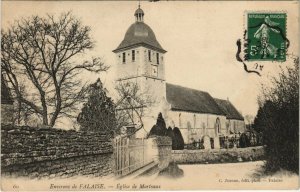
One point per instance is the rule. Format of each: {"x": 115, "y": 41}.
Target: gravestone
{"x": 216, "y": 143}
{"x": 206, "y": 142}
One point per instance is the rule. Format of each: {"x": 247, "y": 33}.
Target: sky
{"x": 199, "y": 36}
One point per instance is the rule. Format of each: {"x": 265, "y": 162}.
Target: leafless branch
{"x": 44, "y": 52}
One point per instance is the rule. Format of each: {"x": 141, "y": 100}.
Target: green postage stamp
{"x": 266, "y": 34}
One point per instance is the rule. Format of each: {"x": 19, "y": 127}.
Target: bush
{"x": 278, "y": 119}
{"x": 159, "y": 129}
{"x": 281, "y": 138}
{"x": 178, "y": 139}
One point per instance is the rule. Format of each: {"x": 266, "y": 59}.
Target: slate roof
{"x": 138, "y": 34}
{"x": 230, "y": 111}
{"x": 192, "y": 100}
{"x": 6, "y": 97}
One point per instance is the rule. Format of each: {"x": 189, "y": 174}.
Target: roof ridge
{"x": 231, "y": 112}
{"x": 222, "y": 100}
{"x": 189, "y": 88}
{"x": 190, "y": 99}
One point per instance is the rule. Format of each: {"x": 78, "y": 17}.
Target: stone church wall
{"x": 198, "y": 124}
{"x": 129, "y": 68}
{"x": 155, "y": 88}
{"x": 236, "y": 126}
{"x": 147, "y": 66}
{"x": 50, "y": 152}
{"x": 141, "y": 65}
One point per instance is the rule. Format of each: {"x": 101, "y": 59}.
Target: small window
{"x": 133, "y": 55}
{"x": 124, "y": 57}
{"x": 149, "y": 55}
{"x": 157, "y": 58}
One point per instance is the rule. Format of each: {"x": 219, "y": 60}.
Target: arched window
{"x": 194, "y": 118}
{"x": 179, "y": 120}
{"x": 227, "y": 127}
{"x": 217, "y": 126}
{"x": 190, "y": 131}
{"x": 234, "y": 127}
{"x": 188, "y": 125}
{"x": 203, "y": 128}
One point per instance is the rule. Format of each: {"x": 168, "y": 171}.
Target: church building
{"x": 141, "y": 59}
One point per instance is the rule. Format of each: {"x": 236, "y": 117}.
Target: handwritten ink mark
{"x": 238, "y": 58}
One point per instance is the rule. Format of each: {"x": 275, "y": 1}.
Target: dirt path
{"x": 227, "y": 176}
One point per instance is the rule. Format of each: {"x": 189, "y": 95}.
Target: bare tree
{"x": 41, "y": 58}
{"x": 132, "y": 105}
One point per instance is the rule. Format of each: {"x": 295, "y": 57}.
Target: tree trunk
{"x": 45, "y": 119}
{"x": 45, "y": 110}
{"x": 19, "y": 112}
{"x": 58, "y": 103}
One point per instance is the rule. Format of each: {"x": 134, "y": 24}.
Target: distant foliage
{"x": 244, "y": 141}
{"x": 98, "y": 113}
{"x": 278, "y": 119}
{"x": 259, "y": 122}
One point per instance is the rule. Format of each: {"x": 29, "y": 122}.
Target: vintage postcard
{"x": 149, "y": 95}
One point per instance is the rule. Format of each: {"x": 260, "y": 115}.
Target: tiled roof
{"x": 230, "y": 111}
{"x": 187, "y": 99}
{"x": 137, "y": 34}
{"x": 5, "y": 93}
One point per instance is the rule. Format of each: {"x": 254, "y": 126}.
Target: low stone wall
{"x": 50, "y": 152}
{"x": 218, "y": 155}
{"x": 7, "y": 113}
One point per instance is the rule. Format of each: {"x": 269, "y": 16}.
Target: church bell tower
{"x": 140, "y": 58}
